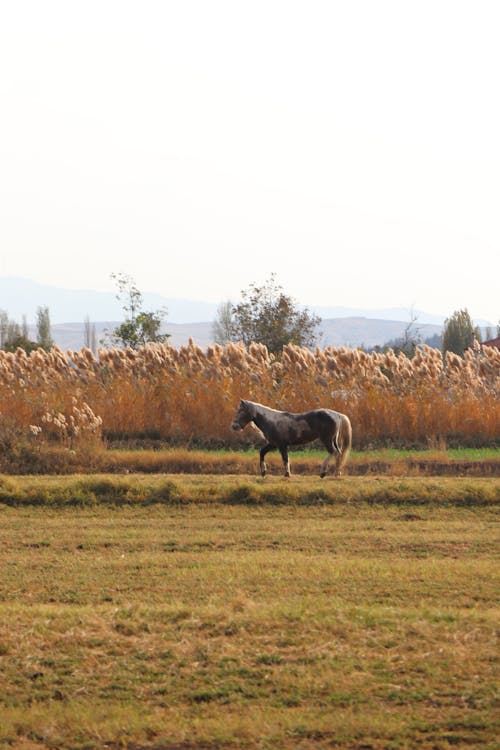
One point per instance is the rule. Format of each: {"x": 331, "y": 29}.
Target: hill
{"x": 354, "y": 331}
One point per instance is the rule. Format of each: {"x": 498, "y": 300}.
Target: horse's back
{"x": 322, "y": 422}
{"x": 326, "y": 415}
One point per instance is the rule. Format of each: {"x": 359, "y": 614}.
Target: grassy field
{"x": 194, "y": 489}
{"x": 454, "y": 462}
{"x": 195, "y": 613}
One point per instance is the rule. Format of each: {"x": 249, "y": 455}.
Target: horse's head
{"x": 243, "y": 416}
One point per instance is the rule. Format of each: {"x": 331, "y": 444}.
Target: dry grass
{"x": 217, "y": 626}
{"x": 187, "y": 395}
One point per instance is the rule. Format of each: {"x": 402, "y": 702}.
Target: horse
{"x": 281, "y": 429}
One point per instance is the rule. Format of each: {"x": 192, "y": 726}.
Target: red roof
{"x": 492, "y": 342}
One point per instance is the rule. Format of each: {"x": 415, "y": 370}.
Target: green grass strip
{"x": 81, "y": 491}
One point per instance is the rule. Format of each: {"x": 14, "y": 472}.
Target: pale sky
{"x": 353, "y": 148}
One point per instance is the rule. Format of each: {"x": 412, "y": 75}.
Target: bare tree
{"x": 411, "y": 335}
{"x": 90, "y": 338}
{"x": 13, "y": 335}
{"x": 4, "y": 326}
{"x": 222, "y": 325}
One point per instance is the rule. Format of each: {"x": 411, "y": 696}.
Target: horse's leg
{"x": 286, "y": 461}
{"x": 331, "y": 444}
{"x": 338, "y": 457}
{"x": 263, "y": 468}
{"x": 335, "y": 443}
{"x": 339, "y": 449}
{"x": 324, "y": 465}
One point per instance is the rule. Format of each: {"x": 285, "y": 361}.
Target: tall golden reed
{"x": 187, "y": 394}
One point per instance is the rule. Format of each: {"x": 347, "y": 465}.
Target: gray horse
{"x": 281, "y": 429}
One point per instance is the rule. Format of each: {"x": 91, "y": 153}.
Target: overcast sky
{"x": 353, "y": 148}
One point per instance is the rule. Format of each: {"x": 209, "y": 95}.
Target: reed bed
{"x": 187, "y": 395}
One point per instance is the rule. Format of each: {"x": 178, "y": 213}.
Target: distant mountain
{"x": 404, "y": 314}
{"x": 72, "y": 336}
{"x": 341, "y": 326}
{"x": 22, "y": 297}
{"x": 19, "y": 296}
{"x": 369, "y": 332}
{"x": 349, "y": 332}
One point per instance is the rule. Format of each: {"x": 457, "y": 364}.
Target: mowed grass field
{"x": 191, "y": 613}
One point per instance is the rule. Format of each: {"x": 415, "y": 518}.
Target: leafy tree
{"x": 458, "y": 332}
{"x": 269, "y": 316}
{"x": 139, "y": 327}
{"x": 43, "y": 332}
{"x": 19, "y": 341}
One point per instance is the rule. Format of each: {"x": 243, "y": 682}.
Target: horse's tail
{"x": 344, "y": 438}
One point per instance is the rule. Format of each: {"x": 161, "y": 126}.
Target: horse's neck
{"x": 261, "y": 417}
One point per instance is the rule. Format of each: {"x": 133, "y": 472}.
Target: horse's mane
{"x": 266, "y": 408}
